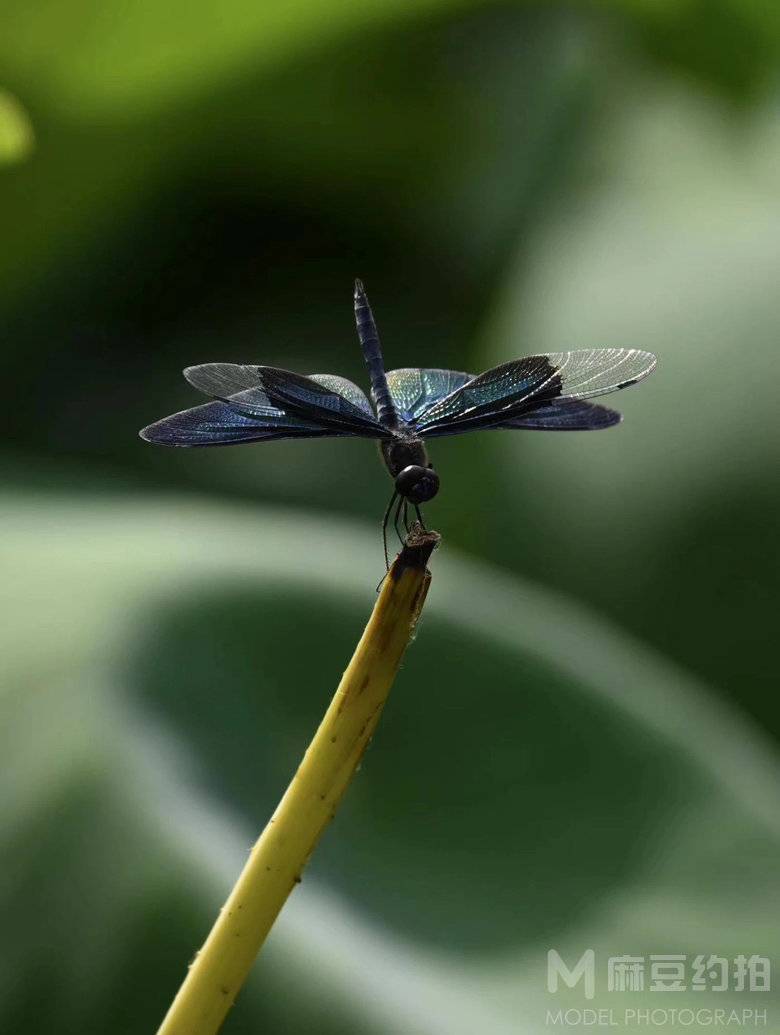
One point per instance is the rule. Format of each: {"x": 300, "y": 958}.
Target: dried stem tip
{"x": 277, "y": 860}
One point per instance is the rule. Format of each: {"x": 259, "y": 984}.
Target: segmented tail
{"x": 372, "y": 351}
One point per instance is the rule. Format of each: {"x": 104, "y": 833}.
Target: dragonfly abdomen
{"x": 372, "y": 351}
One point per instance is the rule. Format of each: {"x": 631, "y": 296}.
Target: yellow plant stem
{"x": 275, "y": 864}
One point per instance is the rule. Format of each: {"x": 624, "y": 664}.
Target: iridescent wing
{"x": 221, "y": 424}
{"x": 267, "y": 391}
{"x": 515, "y": 389}
{"x": 347, "y": 389}
{"x": 317, "y": 398}
{"x": 565, "y": 415}
{"x": 482, "y": 400}
{"x": 415, "y": 389}
{"x": 244, "y": 410}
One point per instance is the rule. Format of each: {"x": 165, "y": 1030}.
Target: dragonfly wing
{"x": 220, "y": 424}
{"x": 347, "y": 390}
{"x": 487, "y": 395}
{"x": 235, "y": 384}
{"x": 586, "y": 373}
{"x": 518, "y": 387}
{"x": 325, "y": 399}
{"x": 311, "y": 398}
{"x": 222, "y": 379}
{"x": 565, "y": 415}
{"x": 416, "y": 389}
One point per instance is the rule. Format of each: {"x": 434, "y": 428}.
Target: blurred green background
{"x": 581, "y": 750}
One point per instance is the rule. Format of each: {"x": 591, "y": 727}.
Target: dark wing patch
{"x": 314, "y": 400}
{"x": 488, "y": 394}
{"x": 323, "y": 398}
{"x": 415, "y": 389}
{"x": 565, "y": 415}
{"x": 220, "y": 424}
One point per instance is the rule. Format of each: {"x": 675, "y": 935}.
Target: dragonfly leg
{"x": 397, "y": 518}
{"x": 420, "y": 517}
{"x": 384, "y": 529}
{"x": 406, "y": 516}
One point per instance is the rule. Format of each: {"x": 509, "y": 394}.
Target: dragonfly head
{"x": 417, "y": 484}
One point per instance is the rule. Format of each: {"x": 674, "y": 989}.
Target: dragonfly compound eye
{"x": 417, "y": 484}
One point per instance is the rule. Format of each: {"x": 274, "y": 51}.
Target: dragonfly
{"x": 407, "y": 407}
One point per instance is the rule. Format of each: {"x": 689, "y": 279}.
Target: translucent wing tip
{"x": 202, "y": 375}
{"x": 649, "y": 359}
{"x": 191, "y": 375}
{"x": 166, "y": 432}
{"x": 192, "y": 372}
{"x": 159, "y": 433}
{"x": 585, "y": 373}
{"x": 643, "y": 362}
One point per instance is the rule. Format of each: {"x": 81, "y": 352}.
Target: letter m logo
{"x": 584, "y": 968}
